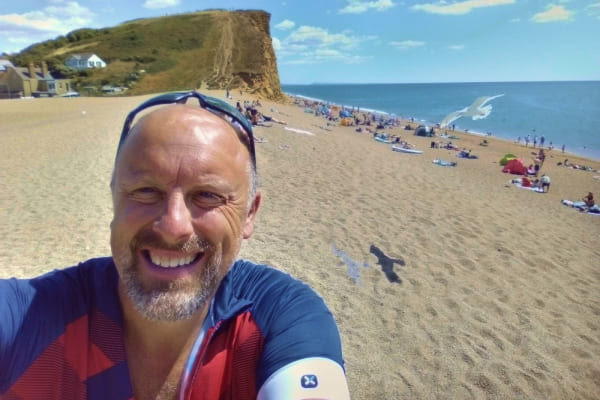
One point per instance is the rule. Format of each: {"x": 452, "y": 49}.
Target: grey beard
{"x": 172, "y": 302}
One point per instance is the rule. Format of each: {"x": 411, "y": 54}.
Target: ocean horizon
{"x": 564, "y": 112}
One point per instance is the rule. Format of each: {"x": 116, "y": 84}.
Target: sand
{"x": 447, "y": 283}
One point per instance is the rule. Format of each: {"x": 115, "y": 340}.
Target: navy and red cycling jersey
{"x": 61, "y": 334}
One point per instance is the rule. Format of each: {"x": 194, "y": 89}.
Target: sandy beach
{"x": 446, "y": 282}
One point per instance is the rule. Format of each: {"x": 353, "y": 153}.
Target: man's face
{"x": 181, "y": 210}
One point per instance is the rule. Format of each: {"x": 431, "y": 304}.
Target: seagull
{"x": 477, "y": 110}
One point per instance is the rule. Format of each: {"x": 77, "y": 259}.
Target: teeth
{"x": 170, "y": 262}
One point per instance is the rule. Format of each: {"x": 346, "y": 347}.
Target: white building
{"x": 84, "y": 61}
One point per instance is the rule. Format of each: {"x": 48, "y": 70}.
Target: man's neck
{"x": 157, "y": 351}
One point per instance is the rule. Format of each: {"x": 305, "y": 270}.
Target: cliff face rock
{"x": 217, "y": 49}
{"x": 234, "y": 51}
{"x": 245, "y": 57}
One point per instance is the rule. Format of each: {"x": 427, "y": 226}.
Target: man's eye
{"x": 144, "y": 194}
{"x": 208, "y": 199}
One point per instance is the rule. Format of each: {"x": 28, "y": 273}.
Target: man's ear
{"x": 249, "y": 222}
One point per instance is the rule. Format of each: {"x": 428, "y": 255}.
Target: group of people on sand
{"x": 250, "y": 111}
{"x": 349, "y": 116}
{"x": 394, "y": 139}
{"x": 542, "y": 183}
{"x": 568, "y": 164}
{"x": 443, "y": 145}
{"x": 534, "y": 168}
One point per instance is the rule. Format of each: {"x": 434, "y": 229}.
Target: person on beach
{"x": 541, "y": 156}
{"x": 545, "y": 183}
{"x": 589, "y": 199}
{"x": 172, "y": 314}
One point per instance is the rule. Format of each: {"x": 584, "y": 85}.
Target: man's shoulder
{"x": 84, "y": 269}
{"x": 72, "y": 284}
{"x": 90, "y": 272}
{"x": 269, "y": 291}
{"x": 246, "y": 276}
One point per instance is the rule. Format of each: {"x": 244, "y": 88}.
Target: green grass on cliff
{"x": 168, "y": 53}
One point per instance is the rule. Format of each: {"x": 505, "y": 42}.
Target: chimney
{"x": 32, "y": 71}
{"x": 44, "y": 69}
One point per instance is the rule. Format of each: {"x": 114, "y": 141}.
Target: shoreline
{"x": 593, "y": 154}
{"x": 474, "y": 134}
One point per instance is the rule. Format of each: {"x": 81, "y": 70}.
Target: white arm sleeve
{"x": 315, "y": 378}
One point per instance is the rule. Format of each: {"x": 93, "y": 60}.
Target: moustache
{"x": 149, "y": 238}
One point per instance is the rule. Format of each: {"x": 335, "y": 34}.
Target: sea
{"x": 564, "y": 113}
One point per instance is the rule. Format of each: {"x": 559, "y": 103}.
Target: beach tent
{"x": 507, "y": 158}
{"x": 423, "y": 131}
{"x": 515, "y": 166}
{"x": 345, "y": 114}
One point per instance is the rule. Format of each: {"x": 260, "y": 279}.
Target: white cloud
{"x": 154, "y": 4}
{"x": 310, "y": 45}
{"x": 594, "y": 9}
{"x": 513, "y": 20}
{"x": 328, "y": 53}
{"x": 407, "y": 44}
{"x": 285, "y": 25}
{"x": 276, "y": 43}
{"x": 553, "y": 13}
{"x": 459, "y": 8}
{"x": 56, "y": 19}
{"x": 359, "y": 7}
{"x": 311, "y": 35}
{"x": 457, "y": 47}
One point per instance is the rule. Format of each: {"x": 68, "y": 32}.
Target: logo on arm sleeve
{"x": 309, "y": 381}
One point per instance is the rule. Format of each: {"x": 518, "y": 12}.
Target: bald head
{"x": 177, "y": 127}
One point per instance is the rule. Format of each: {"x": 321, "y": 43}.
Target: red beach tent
{"x": 515, "y": 166}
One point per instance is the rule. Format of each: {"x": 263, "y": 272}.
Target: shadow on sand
{"x": 387, "y": 264}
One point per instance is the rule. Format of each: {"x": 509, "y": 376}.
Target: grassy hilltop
{"x": 220, "y": 49}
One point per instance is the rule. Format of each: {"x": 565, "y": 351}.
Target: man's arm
{"x": 309, "y": 378}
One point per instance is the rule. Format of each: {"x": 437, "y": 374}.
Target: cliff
{"x": 217, "y": 49}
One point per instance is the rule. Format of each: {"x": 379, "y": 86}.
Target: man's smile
{"x": 171, "y": 259}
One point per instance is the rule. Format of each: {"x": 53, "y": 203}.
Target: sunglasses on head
{"x": 212, "y": 104}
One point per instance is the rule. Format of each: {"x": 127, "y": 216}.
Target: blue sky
{"x": 353, "y": 41}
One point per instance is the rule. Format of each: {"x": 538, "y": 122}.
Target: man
{"x": 545, "y": 183}
{"x": 172, "y": 314}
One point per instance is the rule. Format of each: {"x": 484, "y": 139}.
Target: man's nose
{"x": 175, "y": 222}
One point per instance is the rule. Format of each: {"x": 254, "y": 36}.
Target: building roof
{"x": 4, "y": 64}
{"x": 24, "y": 73}
{"x": 84, "y": 56}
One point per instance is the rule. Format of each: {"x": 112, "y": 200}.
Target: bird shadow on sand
{"x": 387, "y": 264}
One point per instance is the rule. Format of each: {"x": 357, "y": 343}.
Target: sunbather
{"x": 589, "y": 200}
